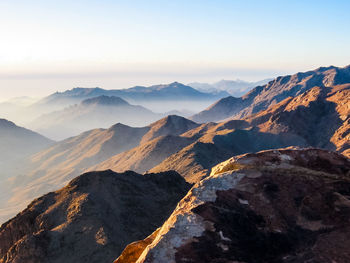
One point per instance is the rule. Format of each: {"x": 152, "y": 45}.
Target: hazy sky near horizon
{"x": 57, "y": 45}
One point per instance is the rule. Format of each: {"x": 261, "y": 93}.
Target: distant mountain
{"x": 170, "y": 92}
{"x": 236, "y": 88}
{"x": 53, "y": 167}
{"x": 101, "y": 111}
{"x": 261, "y": 97}
{"x": 92, "y": 219}
{"x": 286, "y": 205}
{"x": 17, "y": 143}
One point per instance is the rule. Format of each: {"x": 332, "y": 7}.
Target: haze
{"x": 56, "y": 45}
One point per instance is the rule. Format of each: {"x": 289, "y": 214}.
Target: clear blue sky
{"x": 56, "y": 45}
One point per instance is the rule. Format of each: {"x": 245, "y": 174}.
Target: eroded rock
{"x": 288, "y": 205}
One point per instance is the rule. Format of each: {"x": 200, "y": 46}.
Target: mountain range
{"x": 318, "y": 117}
{"x": 102, "y": 111}
{"x": 285, "y": 205}
{"x": 269, "y": 171}
{"x": 236, "y": 88}
{"x": 261, "y": 97}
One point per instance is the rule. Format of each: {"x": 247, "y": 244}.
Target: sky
{"x": 48, "y": 46}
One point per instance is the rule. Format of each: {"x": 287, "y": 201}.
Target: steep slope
{"x": 321, "y": 116}
{"x": 284, "y": 205}
{"x": 17, "y": 143}
{"x": 91, "y": 219}
{"x": 102, "y": 111}
{"x": 144, "y": 157}
{"x": 161, "y": 141}
{"x": 261, "y": 97}
{"x": 172, "y": 124}
{"x": 55, "y": 166}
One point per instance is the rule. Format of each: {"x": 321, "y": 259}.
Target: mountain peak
{"x": 171, "y": 124}
{"x": 6, "y": 124}
{"x": 94, "y": 217}
{"x": 173, "y": 120}
{"x": 105, "y": 101}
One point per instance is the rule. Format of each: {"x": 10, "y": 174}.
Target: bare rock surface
{"x": 92, "y": 219}
{"x": 286, "y": 205}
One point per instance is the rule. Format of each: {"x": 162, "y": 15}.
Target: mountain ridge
{"x": 261, "y": 97}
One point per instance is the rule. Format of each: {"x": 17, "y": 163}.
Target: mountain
{"x": 91, "y": 219}
{"x": 261, "y": 97}
{"x": 287, "y": 205}
{"x": 162, "y": 140}
{"x": 17, "y": 143}
{"x": 53, "y": 167}
{"x": 144, "y": 157}
{"x": 101, "y": 111}
{"x": 169, "y": 92}
{"x": 236, "y": 88}
{"x": 319, "y": 117}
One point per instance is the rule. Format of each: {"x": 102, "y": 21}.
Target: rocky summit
{"x": 92, "y": 219}
{"x": 287, "y": 205}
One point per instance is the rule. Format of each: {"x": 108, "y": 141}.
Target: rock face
{"x": 320, "y": 117}
{"x": 287, "y": 205}
{"x": 262, "y": 97}
{"x": 92, "y": 219}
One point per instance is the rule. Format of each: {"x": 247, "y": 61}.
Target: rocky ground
{"x": 288, "y": 205}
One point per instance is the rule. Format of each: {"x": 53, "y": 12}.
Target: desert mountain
{"x": 55, "y": 166}
{"x": 318, "y": 117}
{"x": 92, "y": 219}
{"x": 236, "y": 88}
{"x": 162, "y": 140}
{"x": 285, "y": 205}
{"x": 17, "y": 143}
{"x": 261, "y": 97}
{"x": 145, "y": 156}
{"x": 101, "y": 111}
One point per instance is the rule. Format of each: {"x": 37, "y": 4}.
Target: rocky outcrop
{"x": 287, "y": 205}
{"x": 92, "y": 219}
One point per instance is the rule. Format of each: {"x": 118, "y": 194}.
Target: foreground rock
{"x": 284, "y": 205}
{"x": 92, "y": 219}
